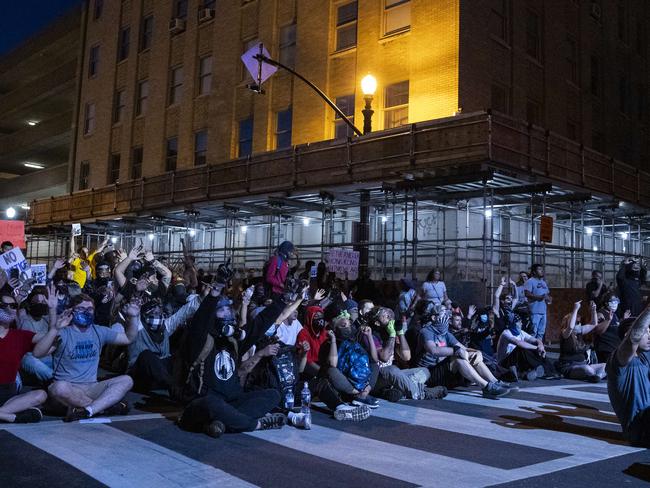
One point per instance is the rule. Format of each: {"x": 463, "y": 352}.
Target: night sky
{"x": 20, "y": 19}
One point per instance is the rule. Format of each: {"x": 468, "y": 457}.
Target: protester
{"x": 537, "y": 293}
{"x": 596, "y": 290}
{"x": 574, "y": 355}
{"x": 631, "y": 275}
{"x": 36, "y": 318}
{"x": 607, "y": 337}
{"x": 434, "y": 289}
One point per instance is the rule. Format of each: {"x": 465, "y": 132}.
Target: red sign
{"x": 13, "y": 231}
{"x": 546, "y": 228}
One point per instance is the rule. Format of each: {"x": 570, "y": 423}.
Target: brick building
{"x": 163, "y": 87}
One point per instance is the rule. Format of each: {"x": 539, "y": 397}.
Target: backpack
{"x": 354, "y": 363}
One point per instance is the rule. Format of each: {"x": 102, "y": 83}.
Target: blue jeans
{"x": 36, "y": 369}
{"x": 538, "y": 321}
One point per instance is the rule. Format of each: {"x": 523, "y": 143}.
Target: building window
{"x": 180, "y": 9}
{"x": 341, "y": 129}
{"x": 146, "y": 32}
{"x": 346, "y": 26}
{"x": 123, "y": 44}
{"x": 572, "y": 60}
{"x": 205, "y": 75}
{"x": 397, "y": 16}
{"x": 499, "y": 98}
{"x": 283, "y": 128}
{"x": 136, "y": 163}
{"x": 98, "y": 9}
{"x": 595, "y": 75}
{"x": 622, "y": 93}
{"x": 171, "y": 155}
{"x": 84, "y": 175}
{"x": 89, "y": 119}
{"x": 622, "y": 21}
{"x": 114, "y": 169}
{"x": 288, "y": 45}
{"x": 200, "y": 147}
{"x": 533, "y": 35}
{"x": 533, "y": 112}
{"x": 245, "y": 137}
{"x": 142, "y": 97}
{"x": 93, "y": 61}
{"x": 119, "y": 105}
{"x": 209, "y": 4}
{"x": 396, "y": 105}
{"x": 500, "y": 19}
{"x": 175, "y": 85}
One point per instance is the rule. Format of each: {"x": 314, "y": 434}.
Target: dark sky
{"x": 22, "y": 18}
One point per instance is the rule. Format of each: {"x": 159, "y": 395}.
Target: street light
{"x": 368, "y": 87}
{"x": 11, "y": 212}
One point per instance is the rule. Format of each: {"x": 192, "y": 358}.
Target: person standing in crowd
{"x": 606, "y": 334}
{"x": 574, "y": 362}
{"x": 628, "y": 379}
{"x": 434, "y": 289}
{"x": 538, "y": 295}
{"x": 631, "y": 275}
{"x": 596, "y": 290}
{"x": 278, "y": 267}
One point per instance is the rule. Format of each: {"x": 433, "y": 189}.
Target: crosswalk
{"x": 461, "y": 441}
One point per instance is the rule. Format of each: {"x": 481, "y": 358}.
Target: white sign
{"x": 15, "y": 265}
{"x": 253, "y": 65}
{"x": 39, "y": 273}
{"x": 313, "y": 272}
{"x": 76, "y": 230}
{"x": 341, "y": 261}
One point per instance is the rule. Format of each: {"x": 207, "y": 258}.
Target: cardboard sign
{"x": 13, "y": 231}
{"x": 39, "y": 273}
{"x": 341, "y": 261}
{"x": 15, "y": 265}
{"x": 76, "y": 230}
{"x": 546, "y": 228}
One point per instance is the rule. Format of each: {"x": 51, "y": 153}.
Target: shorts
{"x": 7, "y": 391}
{"x": 442, "y": 375}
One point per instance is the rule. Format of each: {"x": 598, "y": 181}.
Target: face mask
{"x": 153, "y": 322}
{"x": 483, "y": 318}
{"x": 38, "y": 309}
{"x": 7, "y": 315}
{"x": 613, "y": 305}
{"x": 319, "y": 324}
{"x": 343, "y": 333}
{"x": 83, "y": 319}
{"x": 441, "y": 324}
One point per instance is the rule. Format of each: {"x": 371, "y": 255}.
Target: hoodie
{"x": 314, "y": 338}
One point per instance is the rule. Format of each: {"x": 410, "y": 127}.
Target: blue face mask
{"x": 83, "y": 319}
{"x": 483, "y": 318}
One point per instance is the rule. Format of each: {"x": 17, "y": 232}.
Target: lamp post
{"x": 368, "y": 87}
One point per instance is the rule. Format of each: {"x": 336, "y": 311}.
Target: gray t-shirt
{"x": 629, "y": 390}
{"x": 536, "y": 287}
{"x": 434, "y": 292}
{"x": 76, "y": 357}
{"x": 428, "y": 334}
{"x": 39, "y": 326}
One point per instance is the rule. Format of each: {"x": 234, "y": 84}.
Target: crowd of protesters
{"x": 235, "y": 350}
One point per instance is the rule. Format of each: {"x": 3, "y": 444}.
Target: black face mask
{"x": 318, "y": 324}
{"x": 343, "y": 334}
{"x": 38, "y": 310}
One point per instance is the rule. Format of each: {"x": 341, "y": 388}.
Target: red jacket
{"x": 307, "y": 333}
{"x": 276, "y": 274}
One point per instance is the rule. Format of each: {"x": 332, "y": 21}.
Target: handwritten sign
{"x": 39, "y": 273}
{"x": 15, "y": 265}
{"x": 341, "y": 261}
{"x": 76, "y": 230}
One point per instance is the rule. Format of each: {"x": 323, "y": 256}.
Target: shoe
{"x": 353, "y": 414}
{"x": 434, "y": 393}
{"x": 594, "y": 378}
{"x": 29, "y": 416}
{"x": 76, "y": 413}
{"x": 531, "y": 375}
{"x": 392, "y": 394}
{"x": 120, "y": 408}
{"x": 214, "y": 429}
{"x": 512, "y": 389}
{"x": 369, "y": 401}
{"x": 273, "y": 421}
{"x": 493, "y": 390}
{"x": 300, "y": 420}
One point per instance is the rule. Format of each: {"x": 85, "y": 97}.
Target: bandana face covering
{"x": 7, "y": 315}
{"x": 83, "y": 318}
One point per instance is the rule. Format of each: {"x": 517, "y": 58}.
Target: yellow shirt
{"x": 79, "y": 274}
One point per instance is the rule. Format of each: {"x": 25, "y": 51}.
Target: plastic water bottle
{"x": 288, "y": 399}
{"x": 305, "y": 397}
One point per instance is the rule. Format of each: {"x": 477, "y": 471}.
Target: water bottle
{"x": 305, "y": 397}
{"x": 288, "y": 399}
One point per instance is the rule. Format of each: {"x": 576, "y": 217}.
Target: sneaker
{"x": 369, "y": 401}
{"x": 351, "y": 413}
{"x": 434, "y": 393}
{"x": 76, "y": 413}
{"x": 531, "y": 375}
{"x": 29, "y": 416}
{"x": 392, "y": 394}
{"x": 300, "y": 420}
{"x": 214, "y": 429}
{"x": 120, "y": 408}
{"x": 273, "y": 421}
{"x": 512, "y": 389}
{"x": 493, "y": 390}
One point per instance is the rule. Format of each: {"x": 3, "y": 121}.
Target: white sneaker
{"x": 352, "y": 413}
{"x": 300, "y": 420}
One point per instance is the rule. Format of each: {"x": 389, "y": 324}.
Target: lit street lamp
{"x": 368, "y": 87}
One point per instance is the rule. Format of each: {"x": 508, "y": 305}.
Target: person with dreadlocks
{"x": 277, "y": 268}
{"x": 449, "y": 362}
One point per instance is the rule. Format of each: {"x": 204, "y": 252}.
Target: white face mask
{"x": 613, "y": 306}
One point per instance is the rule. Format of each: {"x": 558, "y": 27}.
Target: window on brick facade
{"x": 142, "y": 98}
{"x": 114, "y": 169}
{"x": 341, "y": 129}
{"x": 171, "y": 154}
{"x": 175, "y": 85}
{"x": 211, "y": 4}
{"x": 205, "y": 75}
{"x": 283, "y": 123}
{"x": 396, "y": 108}
{"x": 89, "y": 118}
{"x": 499, "y": 98}
{"x": 346, "y": 26}
{"x": 500, "y": 19}
{"x": 288, "y": 45}
{"x": 146, "y": 33}
{"x": 136, "y": 163}
{"x": 124, "y": 43}
{"x": 622, "y": 93}
{"x": 397, "y": 16}
{"x": 119, "y": 106}
{"x": 84, "y": 175}
{"x": 98, "y": 9}
{"x": 245, "y": 137}
{"x": 200, "y": 147}
{"x": 180, "y": 9}
{"x": 622, "y": 28}
{"x": 572, "y": 60}
{"x": 93, "y": 61}
{"x": 533, "y": 35}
